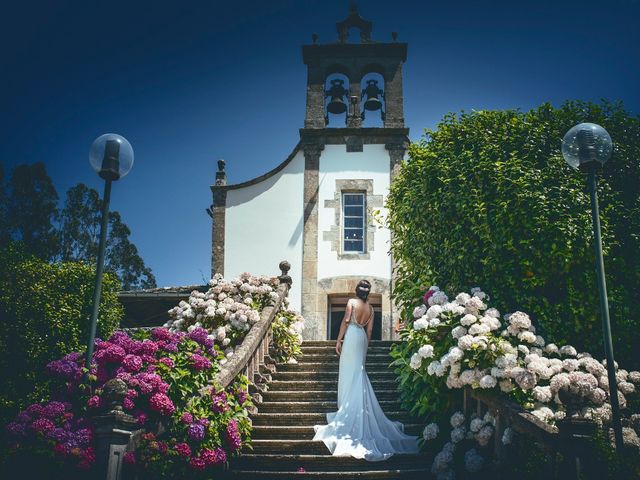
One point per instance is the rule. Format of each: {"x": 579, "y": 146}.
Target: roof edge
{"x": 261, "y": 178}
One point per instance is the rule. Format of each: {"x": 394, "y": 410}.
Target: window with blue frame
{"x": 353, "y": 216}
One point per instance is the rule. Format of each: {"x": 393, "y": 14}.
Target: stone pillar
{"x": 313, "y": 326}
{"x": 217, "y": 212}
{"x": 393, "y": 97}
{"x": 396, "y": 155}
{"x": 354, "y": 120}
{"x": 113, "y": 432}
{"x": 315, "y": 114}
{"x": 217, "y": 230}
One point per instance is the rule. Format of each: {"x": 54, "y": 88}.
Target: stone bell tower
{"x": 354, "y": 61}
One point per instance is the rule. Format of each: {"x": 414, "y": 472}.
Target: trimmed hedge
{"x": 487, "y": 200}
{"x": 44, "y": 314}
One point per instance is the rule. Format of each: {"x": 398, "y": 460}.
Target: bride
{"x": 360, "y": 428}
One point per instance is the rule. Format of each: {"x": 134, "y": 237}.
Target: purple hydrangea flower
{"x": 198, "y": 335}
{"x": 43, "y": 425}
{"x": 53, "y": 409}
{"x": 196, "y": 431}
{"x": 132, "y": 363}
{"x": 183, "y": 449}
{"x": 199, "y": 362}
{"x": 161, "y": 403}
{"x": 161, "y": 334}
{"x": 232, "y": 435}
{"x": 16, "y": 429}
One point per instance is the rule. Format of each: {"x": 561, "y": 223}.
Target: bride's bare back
{"x": 362, "y": 312}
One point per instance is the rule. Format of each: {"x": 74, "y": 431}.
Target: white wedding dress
{"x": 360, "y": 428}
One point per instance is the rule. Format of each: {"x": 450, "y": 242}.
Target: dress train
{"x": 359, "y": 427}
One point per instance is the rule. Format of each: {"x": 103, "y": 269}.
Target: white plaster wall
{"x": 335, "y": 163}
{"x": 263, "y": 226}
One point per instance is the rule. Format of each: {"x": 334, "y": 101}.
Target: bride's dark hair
{"x": 362, "y": 289}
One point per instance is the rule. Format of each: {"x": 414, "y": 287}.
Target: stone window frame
{"x": 334, "y": 234}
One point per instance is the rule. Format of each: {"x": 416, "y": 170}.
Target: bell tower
{"x": 341, "y": 77}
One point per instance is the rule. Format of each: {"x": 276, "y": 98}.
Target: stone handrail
{"x": 571, "y": 438}
{"x": 249, "y": 357}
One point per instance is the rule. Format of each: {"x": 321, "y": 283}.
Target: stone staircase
{"x": 298, "y": 397}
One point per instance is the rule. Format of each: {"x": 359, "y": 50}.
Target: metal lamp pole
{"x": 587, "y": 146}
{"x": 99, "y": 270}
{"x": 592, "y": 181}
{"x": 111, "y": 157}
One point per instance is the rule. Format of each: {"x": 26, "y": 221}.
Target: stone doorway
{"x": 337, "y": 305}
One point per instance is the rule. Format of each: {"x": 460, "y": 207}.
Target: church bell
{"x": 372, "y": 91}
{"x": 337, "y": 91}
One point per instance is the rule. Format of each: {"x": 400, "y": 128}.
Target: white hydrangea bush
{"x": 462, "y": 437}
{"x": 228, "y": 310}
{"x": 462, "y": 342}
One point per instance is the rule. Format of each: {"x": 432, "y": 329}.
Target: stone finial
{"x": 354, "y": 20}
{"x": 221, "y": 175}
{"x": 394, "y": 36}
{"x": 284, "y": 269}
{"x": 115, "y": 391}
{"x": 314, "y": 37}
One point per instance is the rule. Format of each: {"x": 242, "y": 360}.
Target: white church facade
{"x": 317, "y": 209}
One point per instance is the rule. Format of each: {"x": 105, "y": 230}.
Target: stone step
{"x": 278, "y": 446}
{"x": 414, "y": 474}
{"x": 319, "y": 407}
{"x": 332, "y": 357}
{"x": 325, "y": 463}
{"x": 330, "y": 375}
{"x": 331, "y": 349}
{"x": 302, "y": 419}
{"x": 306, "y": 432}
{"x": 374, "y": 366}
{"x": 325, "y": 343}
{"x": 317, "y": 395}
{"x": 296, "y": 385}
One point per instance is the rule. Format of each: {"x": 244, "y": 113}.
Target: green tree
{"x": 79, "y": 233}
{"x": 4, "y": 225}
{"x": 80, "y": 224}
{"x": 32, "y": 210}
{"x": 486, "y": 199}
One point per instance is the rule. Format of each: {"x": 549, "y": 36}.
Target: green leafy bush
{"x": 487, "y": 199}
{"x": 44, "y": 313}
{"x": 287, "y": 335}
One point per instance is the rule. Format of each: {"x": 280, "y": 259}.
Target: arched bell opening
{"x": 372, "y": 103}
{"x": 354, "y": 35}
{"x": 336, "y": 104}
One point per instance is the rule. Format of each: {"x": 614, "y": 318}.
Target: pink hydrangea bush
{"x": 167, "y": 374}
{"x": 53, "y": 427}
{"x": 197, "y": 445}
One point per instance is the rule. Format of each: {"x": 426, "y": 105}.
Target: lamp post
{"x": 111, "y": 156}
{"x": 587, "y": 147}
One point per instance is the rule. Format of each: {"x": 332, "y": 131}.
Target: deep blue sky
{"x": 190, "y": 82}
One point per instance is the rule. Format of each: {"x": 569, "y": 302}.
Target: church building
{"x": 318, "y": 208}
